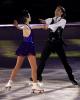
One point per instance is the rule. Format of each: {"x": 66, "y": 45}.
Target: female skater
{"x": 27, "y": 48}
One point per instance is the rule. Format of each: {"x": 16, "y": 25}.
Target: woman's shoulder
{"x": 27, "y": 26}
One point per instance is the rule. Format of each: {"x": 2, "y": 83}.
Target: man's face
{"x": 58, "y": 12}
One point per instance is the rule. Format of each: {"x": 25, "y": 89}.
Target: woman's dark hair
{"x": 25, "y": 14}
{"x": 63, "y": 10}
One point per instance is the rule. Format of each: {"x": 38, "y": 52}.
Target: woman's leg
{"x": 33, "y": 64}
{"x": 35, "y": 87}
{"x": 19, "y": 62}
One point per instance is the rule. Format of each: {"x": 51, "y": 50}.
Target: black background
{"x": 11, "y": 9}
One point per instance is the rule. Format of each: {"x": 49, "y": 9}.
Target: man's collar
{"x": 56, "y": 17}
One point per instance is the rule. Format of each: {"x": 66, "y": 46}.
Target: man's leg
{"x": 61, "y": 53}
{"x": 44, "y": 56}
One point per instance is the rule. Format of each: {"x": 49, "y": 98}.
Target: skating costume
{"x": 27, "y": 46}
{"x": 55, "y": 44}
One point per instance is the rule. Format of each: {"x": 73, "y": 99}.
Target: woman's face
{"x": 58, "y": 12}
{"x": 28, "y": 19}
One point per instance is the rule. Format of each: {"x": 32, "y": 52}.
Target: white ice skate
{"x": 30, "y": 83}
{"x": 9, "y": 84}
{"x": 36, "y": 88}
{"x": 40, "y": 83}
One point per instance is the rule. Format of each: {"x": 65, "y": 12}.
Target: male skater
{"x": 55, "y": 27}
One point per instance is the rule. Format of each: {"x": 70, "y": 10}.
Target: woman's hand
{"x": 45, "y": 26}
{"x": 15, "y": 23}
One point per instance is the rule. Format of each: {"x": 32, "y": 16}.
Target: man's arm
{"x": 42, "y": 21}
{"x": 46, "y": 21}
{"x": 54, "y": 27}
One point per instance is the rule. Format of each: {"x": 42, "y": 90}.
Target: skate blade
{"x": 28, "y": 83}
{"x": 5, "y": 90}
{"x": 76, "y": 86}
{"x": 37, "y": 91}
{"x": 8, "y": 88}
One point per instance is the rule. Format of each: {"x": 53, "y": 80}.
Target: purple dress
{"x": 27, "y": 46}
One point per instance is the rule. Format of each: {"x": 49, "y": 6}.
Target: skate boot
{"x": 9, "y": 85}
{"x": 36, "y": 88}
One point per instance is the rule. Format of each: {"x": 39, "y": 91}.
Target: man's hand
{"x": 42, "y": 21}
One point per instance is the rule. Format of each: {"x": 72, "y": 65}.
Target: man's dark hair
{"x": 63, "y": 10}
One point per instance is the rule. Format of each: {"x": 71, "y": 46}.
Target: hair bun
{"x": 25, "y": 12}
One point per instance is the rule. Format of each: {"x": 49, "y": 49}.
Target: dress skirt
{"x": 25, "y": 49}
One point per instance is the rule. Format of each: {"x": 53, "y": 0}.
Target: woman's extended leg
{"x": 19, "y": 62}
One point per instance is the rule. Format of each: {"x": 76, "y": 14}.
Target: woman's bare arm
{"x": 16, "y": 25}
{"x": 39, "y": 26}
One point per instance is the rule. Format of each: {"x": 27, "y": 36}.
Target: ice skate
{"x": 36, "y": 88}
{"x": 9, "y": 85}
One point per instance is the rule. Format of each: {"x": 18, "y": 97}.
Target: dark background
{"x": 10, "y": 37}
{"x": 11, "y": 9}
